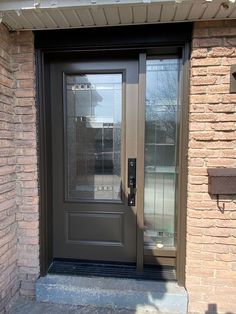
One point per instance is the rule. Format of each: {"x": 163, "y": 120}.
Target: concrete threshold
{"x": 139, "y": 296}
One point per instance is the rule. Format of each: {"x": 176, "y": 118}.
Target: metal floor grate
{"x": 78, "y": 268}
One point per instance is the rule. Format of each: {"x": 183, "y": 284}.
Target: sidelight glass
{"x": 93, "y": 136}
{"x": 161, "y": 147}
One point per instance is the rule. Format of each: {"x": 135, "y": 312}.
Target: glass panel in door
{"x": 161, "y": 148}
{"x": 93, "y": 136}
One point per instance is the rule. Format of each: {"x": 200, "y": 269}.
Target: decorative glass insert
{"x": 93, "y": 136}
{"x": 161, "y": 140}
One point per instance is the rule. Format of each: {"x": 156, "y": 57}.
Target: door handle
{"x": 131, "y": 180}
{"x": 132, "y": 173}
{"x": 131, "y": 199}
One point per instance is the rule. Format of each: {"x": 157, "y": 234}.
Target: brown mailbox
{"x": 233, "y": 79}
{"x": 222, "y": 181}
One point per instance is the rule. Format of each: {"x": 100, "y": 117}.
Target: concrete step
{"x": 135, "y": 295}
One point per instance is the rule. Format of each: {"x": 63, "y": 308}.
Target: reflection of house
{"x": 159, "y": 146}
{"x": 97, "y": 138}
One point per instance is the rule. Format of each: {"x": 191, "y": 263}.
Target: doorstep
{"x": 116, "y": 293}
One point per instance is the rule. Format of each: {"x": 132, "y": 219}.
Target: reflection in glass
{"x": 160, "y": 152}
{"x": 93, "y": 134}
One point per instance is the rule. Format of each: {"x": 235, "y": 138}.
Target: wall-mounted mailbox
{"x": 222, "y": 181}
{"x": 233, "y": 79}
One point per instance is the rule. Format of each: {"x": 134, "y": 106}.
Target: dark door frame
{"x": 161, "y": 38}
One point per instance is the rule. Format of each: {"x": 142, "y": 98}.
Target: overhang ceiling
{"x": 63, "y": 14}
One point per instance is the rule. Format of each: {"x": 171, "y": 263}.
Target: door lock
{"x": 131, "y": 199}
{"x": 132, "y": 173}
{"x": 131, "y": 181}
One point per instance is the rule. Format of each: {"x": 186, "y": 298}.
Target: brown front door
{"x": 94, "y": 132}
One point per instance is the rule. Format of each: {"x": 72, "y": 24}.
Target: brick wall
{"x": 8, "y": 227}
{"x": 19, "y": 249}
{"x": 211, "y": 235}
{"x": 27, "y": 215}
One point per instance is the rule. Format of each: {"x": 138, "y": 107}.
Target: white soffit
{"x": 62, "y": 14}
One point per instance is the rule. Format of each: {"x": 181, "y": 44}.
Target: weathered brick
{"x": 218, "y": 89}
{"x": 222, "y": 52}
{"x": 231, "y": 42}
{"x": 219, "y": 70}
{"x": 25, "y": 93}
{"x": 228, "y": 61}
{"x": 207, "y": 62}
{"x": 227, "y": 126}
{"x": 207, "y": 117}
{"x": 17, "y": 105}
{"x": 199, "y": 53}
{"x": 211, "y": 235}
{"x": 222, "y": 108}
{"x": 206, "y": 80}
{"x": 199, "y": 71}
{"x": 222, "y": 32}
{"x": 207, "y": 42}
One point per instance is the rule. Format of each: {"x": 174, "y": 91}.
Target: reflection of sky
{"x": 162, "y": 82}
{"x": 103, "y": 98}
{"x": 110, "y": 105}
{"x": 162, "y": 90}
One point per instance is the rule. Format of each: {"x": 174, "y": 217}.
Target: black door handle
{"x": 131, "y": 180}
{"x": 132, "y": 173}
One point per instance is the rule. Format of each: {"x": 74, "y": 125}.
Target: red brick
{"x": 228, "y": 154}
{"x": 228, "y": 61}
{"x": 199, "y": 53}
{"x": 211, "y": 235}
{"x": 199, "y": 71}
{"x": 219, "y": 70}
{"x": 200, "y": 32}
{"x": 206, "y": 80}
{"x": 25, "y": 93}
{"x": 23, "y": 57}
{"x": 203, "y": 117}
{"x": 218, "y": 89}
{"x": 231, "y": 42}
{"x": 206, "y": 62}
{"x": 222, "y": 108}
{"x": 17, "y": 80}
{"x": 222, "y": 31}
{"x": 222, "y": 52}
{"x": 27, "y": 83}
{"x": 207, "y": 42}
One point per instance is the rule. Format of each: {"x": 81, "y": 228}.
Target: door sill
{"x": 112, "y": 270}
{"x": 113, "y": 294}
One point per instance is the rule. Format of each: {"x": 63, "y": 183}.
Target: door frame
{"x": 128, "y": 38}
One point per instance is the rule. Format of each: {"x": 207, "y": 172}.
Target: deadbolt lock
{"x": 132, "y": 173}
{"x": 131, "y": 199}
{"x": 131, "y": 181}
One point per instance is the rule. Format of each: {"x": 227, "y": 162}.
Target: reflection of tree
{"x": 161, "y": 101}
{"x": 160, "y": 150}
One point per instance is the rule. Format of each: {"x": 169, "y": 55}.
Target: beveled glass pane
{"x": 93, "y": 135}
{"x": 160, "y": 152}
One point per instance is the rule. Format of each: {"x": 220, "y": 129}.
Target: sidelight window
{"x": 161, "y": 151}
